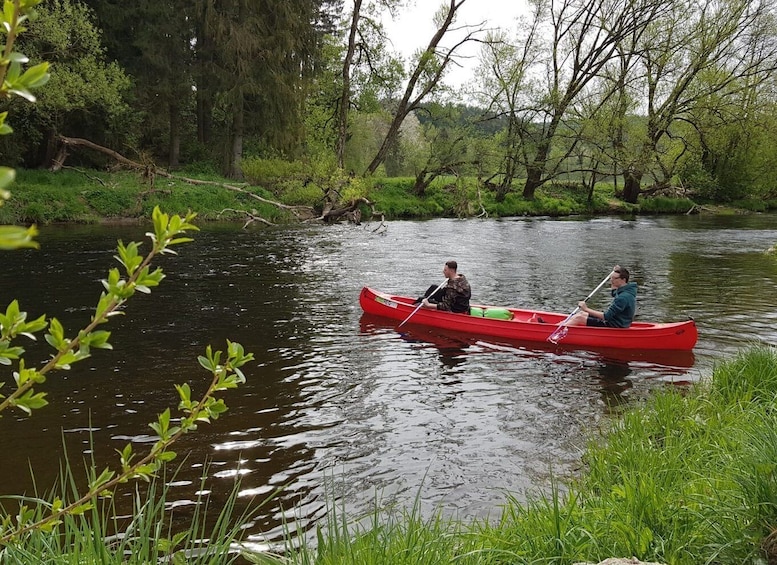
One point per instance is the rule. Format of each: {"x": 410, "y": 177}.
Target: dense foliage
{"x": 316, "y": 82}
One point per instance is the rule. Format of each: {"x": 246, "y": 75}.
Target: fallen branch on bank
{"x": 90, "y": 177}
{"x": 251, "y": 217}
{"x": 150, "y": 172}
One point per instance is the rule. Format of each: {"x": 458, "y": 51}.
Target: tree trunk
{"x": 511, "y": 165}
{"x": 175, "y": 135}
{"x": 233, "y": 170}
{"x": 407, "y": 104}
{"x": 504, "y": 188}
{"x": 388, "y": 141}
{"x": 533, "y": 182}
{"x": 536, "y": 171}
{"x": 345, "y": 95}
{"x": 422, "y": 181}
{"x": 54, "y": 155}
{"x": 632, "y": 181}
{"x": 204, "y": 70}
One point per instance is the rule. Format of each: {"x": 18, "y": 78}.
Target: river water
{"x": 342, "y": 406}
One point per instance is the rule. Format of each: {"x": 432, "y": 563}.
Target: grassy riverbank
{"x": 690, "y": 477}
{"x": 95, "y": 196}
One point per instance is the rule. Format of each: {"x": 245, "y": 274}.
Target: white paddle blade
{"x": 559, "y": 334}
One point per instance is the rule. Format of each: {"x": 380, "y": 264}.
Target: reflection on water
{"x": 614, "y": 383}
{"x": 453, "y": 419}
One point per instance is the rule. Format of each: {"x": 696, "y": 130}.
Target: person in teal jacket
{"x": 621, "y": 310}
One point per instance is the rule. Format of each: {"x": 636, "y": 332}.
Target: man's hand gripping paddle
{"x": 562, "y": 330}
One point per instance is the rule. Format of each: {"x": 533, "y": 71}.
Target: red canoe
{"x": 517, "y": 324}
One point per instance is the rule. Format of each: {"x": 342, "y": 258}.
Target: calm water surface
{"x": 338, "y": 404}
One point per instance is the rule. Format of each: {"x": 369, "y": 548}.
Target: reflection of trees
{"x": 720, "y": 285}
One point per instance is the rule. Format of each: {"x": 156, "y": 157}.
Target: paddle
{"x": 422, "y": 303}
{"x": 561, "y": 331}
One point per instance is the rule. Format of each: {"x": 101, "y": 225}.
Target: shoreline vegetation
{"x": 90, "y": 196}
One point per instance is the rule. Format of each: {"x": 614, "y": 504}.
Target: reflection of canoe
{"x": 518, "y": 325}
{"x": 449, "y": 340}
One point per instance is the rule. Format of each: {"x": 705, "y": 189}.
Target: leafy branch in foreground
{"x": 137, "y": 276}
{"x": 38, "y": 515}
{"x": 226, "y": 375}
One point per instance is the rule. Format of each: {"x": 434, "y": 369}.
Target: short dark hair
{"x": 624, "y": 273}
{"x": 452, "y": 265}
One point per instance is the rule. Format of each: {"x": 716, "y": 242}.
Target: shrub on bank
{"x": 665, "y": 205}
{"x": 80, "y": 522}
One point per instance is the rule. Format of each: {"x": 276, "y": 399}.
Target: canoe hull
{"x": 640, "y": 336}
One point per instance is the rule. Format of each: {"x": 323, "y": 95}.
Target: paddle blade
{"x": 559, "y": 334}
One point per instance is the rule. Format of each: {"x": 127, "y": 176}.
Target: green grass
{"x": 690, "y": 477}
{"x": 93, "y": 196}
{"x": 665, "y": 205}
{"x": 150, "y": 532}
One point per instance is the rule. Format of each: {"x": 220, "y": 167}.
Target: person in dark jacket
{"x": 454, "y": 296}
{"x": 620, "y": 312}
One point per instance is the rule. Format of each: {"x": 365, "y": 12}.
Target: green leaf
{"x": 78, "y": 510}
{"x": 9, "y": 14}
{"x": 36, "y": 76}
{"x": 7, "y": 175}
{"x": 129, "y": 256}
{"x": 23, "y": 93}
{"x": 185, "y": 392}
{"x": 30, "y": 401}
{"x": 218, "y": 408}
{"x": 166, "y": 456}
{"x": 126, "y": 456}
{"x": 105, "y": 303}
{"x": 7, "y": 352}
{"x": 98, "y": 339}
{"x": 36, "y": 325}
{"x": 179, "y": 240}
{"x": 164, "y": 545}
{"x": 70, "y": 357}
{"x": 16, "y": 57}
{"x": 162, "y": 425}
{"x": 49, "y": 526}
{"x": 103, "y": 479}
{"x": 17, "y": 237}
{"x": 56, "y": 335}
